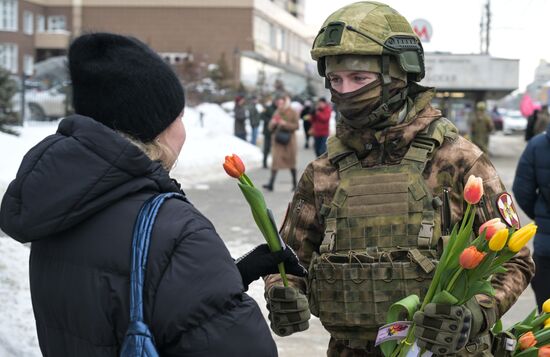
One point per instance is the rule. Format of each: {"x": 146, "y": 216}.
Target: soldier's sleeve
{"x": 301, "y": 228}
{"x": 520, "y": 269}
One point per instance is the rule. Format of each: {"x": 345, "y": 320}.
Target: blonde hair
{"x": 156, "y": 151}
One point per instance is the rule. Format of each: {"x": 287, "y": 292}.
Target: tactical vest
{"x": 381, "y": 237}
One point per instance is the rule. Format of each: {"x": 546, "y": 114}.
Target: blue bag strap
{"x": 140, "y": 250}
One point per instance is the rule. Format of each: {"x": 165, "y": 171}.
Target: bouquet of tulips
{"x": 263, "y": 216}
{"x": 464, "y": 269}
{"x": 532, "y": 334}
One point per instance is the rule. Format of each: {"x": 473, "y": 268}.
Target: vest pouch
{"x": 312, "y": 286}
{"x": 353, "y": 294}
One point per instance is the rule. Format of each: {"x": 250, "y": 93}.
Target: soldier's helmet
{"x": 481, "y": 106}
{"x": 373, "y": 29}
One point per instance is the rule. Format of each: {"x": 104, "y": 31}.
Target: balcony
{"x": 58, "y": 39}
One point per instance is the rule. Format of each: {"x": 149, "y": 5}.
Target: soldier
{"x": 481, "y": 126}
{"x": 367, "y": 216}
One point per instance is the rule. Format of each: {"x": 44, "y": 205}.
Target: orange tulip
{"x": 471, "y": 257}
{"x": 473, "y": 190}
{"x": 492, "y": 227}
{"x": 234, "y": 166}
{"x": 527, "y": 340}
{"x": 544, "y": 351}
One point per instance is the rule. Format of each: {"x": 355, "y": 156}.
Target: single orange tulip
{"x": 473, "y": 191}
{"x": 544, "y": 351}
{"x": 492, "y": 226}
{"x": 470, "y": 257}
{"x": 527, "y": 340}
{"x": 234, "y": 166}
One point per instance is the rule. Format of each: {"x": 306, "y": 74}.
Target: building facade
{"x": 260, "y": 40}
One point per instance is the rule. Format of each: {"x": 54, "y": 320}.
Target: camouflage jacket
{"x": 452, "y": 164}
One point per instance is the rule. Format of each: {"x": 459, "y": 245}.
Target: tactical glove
{"x": 288, "y": 310}
{"x": 443, "y": 329}
{"x": 260, "y": 261}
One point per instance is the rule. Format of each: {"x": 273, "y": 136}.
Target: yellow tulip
{"x": 546, "y": 307}
{"x": 520, "y": 238}
{"x": 498, "y": 240}
{"x": 547, "y": 323}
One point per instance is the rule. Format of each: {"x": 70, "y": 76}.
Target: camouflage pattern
{"x": 481, "y": 126}
{"x": 449, "y": 168}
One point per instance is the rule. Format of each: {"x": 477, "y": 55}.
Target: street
{"x": 223, "y": 204}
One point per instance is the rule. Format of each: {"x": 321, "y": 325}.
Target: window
{"x": 28, "y": 23}
{"x": 261, "y": 30}
{"x": 8, "y": 15}
{"x": 40, "y": 23}
{"x": 8, "y": 56}
{"x": 28, "y": 65}
{"x": 56, "y": 23}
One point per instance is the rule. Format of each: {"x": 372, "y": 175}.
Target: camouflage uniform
{"x": 450, "y": 167}
{"x": 481, "y": 126}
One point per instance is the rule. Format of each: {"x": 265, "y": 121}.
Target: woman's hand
{"x": 260, "y": 261}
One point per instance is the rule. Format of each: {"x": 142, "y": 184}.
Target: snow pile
{"x": 208, "y": 141}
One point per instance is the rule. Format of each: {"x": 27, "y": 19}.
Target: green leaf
{"x": 479, "y": 287}
{"x": 497, "y": 327}
{"x": 530, "y": 352}
{"x": 543, "y": 337}
{"x": 408, "y": 306}
{"x": 445, "y": 297}
{"x": 519, "y": 329}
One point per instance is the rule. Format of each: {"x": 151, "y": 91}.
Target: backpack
{"x": 139, "y": 341}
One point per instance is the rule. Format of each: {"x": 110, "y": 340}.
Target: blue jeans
{"x": 320, "y": 145}
{"x": 254, "y": 136}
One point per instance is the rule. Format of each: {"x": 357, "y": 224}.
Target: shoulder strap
{"x": 140, "y": 250}
{"x": 428, "y": 140}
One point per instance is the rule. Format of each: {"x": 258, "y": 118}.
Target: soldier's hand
{"x": 443, "y": 329}
{"x": 288, "y": 310}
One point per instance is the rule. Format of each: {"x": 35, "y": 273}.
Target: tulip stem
{"x": 453, "y": 280}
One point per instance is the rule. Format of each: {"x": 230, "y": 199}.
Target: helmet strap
{"x": 386, "y": 79}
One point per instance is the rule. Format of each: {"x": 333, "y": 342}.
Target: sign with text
{"x": 422, "y": 29}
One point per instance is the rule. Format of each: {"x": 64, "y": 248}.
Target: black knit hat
{"x": 122, "y": 83}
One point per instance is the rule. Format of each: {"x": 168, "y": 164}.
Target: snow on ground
{"x": 208, "y": 141}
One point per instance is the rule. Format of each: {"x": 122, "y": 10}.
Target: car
{"x": 47, "y": 104}
{"x": 513, "y": 122}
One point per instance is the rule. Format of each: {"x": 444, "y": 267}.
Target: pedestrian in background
{"x": 532, "y": 191}
{"x": 543, "y": 119}
{"x": 283, "y": 125}
{"x": 306, "y": 114}
{"x": 82, "y": 189}
{"x": 320, "y": 125}
{"x": 531, "y": 121}
{"x": 269, "y": 109}
{"x": 254, "y": 117}
{"x": 240, "y": 117}
{"x": 481, "y": 127}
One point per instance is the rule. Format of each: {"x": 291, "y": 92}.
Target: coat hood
{"x": 71, "y": 175}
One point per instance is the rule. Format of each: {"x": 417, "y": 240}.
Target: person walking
{"x": 320, "y": 125}
{"x": 77, "y": 196}
{"x": 543, "y": 120}
{"x": 240, "y": 117}
{"x": 283, "y": 125}
{"x": 365, "y": 217}
{"x": 306, "y": 115}
{"x": 481, "y": 127}
{"x": 532, "y": 191}
{"x": 531, "y": 121}
{"x": 254, "y": 117}
{"x": 269, "y": 109}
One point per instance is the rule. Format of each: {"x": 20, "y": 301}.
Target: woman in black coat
{"x": 76, "y": 198}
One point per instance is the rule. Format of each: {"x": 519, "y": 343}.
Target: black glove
{"x": 443, "y": 329}
{"x": 260, "y": 261}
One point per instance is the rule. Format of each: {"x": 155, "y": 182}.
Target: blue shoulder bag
{"x": 139, "y": 341}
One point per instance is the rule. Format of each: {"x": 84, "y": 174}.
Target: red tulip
{"x": 544, "y": 351}
{"x": 234, "y": 166}
{"x": 471, "y": 257}
{"x": 473, "y": 190}
{"x": 492, "y": 227}
{"x": 527, "y": 340}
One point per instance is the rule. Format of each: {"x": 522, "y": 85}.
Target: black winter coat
{"x": 76, "y": 198}
{"x": 532, "y": 188}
